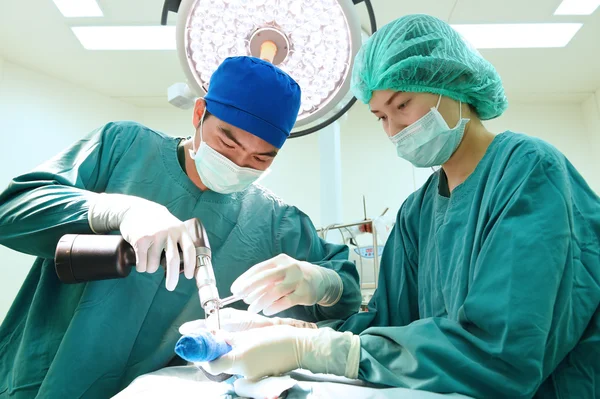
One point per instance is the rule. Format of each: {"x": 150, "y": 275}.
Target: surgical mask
{"x": 219, "y": 173}
{"x": 429, "y": 141}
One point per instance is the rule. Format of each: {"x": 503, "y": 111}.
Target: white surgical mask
{"x": 429, "y": 141}
{"x": 219, "y": 173}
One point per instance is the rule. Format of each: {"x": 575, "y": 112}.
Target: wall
{"x": 169, "y": 120}
{"x": 562, "y": 125}
{"x": 39, "y": 116}
{"x": 591, "y": 112}
{"x": 371, "y": 167}
{"x": 294, "y": 174}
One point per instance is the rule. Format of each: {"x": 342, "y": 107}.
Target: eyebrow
{"x": 389, "y": 101}
{"x": 231, "y": 137}
{"x": 270, "y": 154}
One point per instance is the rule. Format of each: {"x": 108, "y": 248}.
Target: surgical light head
{"x": 313, "y": 41}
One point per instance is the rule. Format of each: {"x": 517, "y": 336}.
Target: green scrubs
{"x": 493, "y": 290}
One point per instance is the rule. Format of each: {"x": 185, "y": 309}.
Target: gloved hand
{"x": 233, "y": 320}
{"x": 283, "y": 282}
{"x": 150, "y": 229}
{"x": 279, "y": 349}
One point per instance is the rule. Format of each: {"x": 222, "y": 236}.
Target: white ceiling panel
{"x": 46, "y": 43}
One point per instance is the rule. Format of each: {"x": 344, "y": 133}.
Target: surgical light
{"x": 314, "y": 41}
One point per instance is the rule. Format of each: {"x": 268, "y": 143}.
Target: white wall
{"x": 39, "y": 116}
{"x": 591, "y": 112}
{"x": 562, "y": 125}
{"x": 294, "y": 175}
{"x": 169, "y": 120}
{"x": 371, "y": 167}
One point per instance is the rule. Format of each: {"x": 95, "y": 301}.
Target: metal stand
{"x": 323, "y": 233}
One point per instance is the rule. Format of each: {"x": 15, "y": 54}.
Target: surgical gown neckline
{"x": 171, "y": 161}
{"x": 470, "y": 182}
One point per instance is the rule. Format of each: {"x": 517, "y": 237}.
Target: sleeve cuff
{"x": 353, "y": 362}
{"x": 335, "y": 287}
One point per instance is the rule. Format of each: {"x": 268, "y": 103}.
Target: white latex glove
{"x": 279, "y": 349}
{"x": 283, "y": 282}
{"x": 150, "y": 229}
{"x": 233, "y": 320}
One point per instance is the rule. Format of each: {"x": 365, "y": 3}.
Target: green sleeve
{"x": 511, "y": 331}
{"x": 298, "y": 238}
{"x": 41, "y": 206}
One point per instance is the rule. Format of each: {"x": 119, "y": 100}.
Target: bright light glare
{"x": 577, "y": 7}
{"x": 320, "y": 51}
{"x": 497, "y": 36}
{"x": 126, "y": 37}
{"x": 78, "y": 8}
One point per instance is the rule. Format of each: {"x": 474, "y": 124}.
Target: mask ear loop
{"x": 201, "y": 123}
{"x": 459, "y": 107}
{"x": 437, "y": 108}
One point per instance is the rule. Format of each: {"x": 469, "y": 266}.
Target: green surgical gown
{"x": 91, "y": 340}
{"x": 491, "y": 292}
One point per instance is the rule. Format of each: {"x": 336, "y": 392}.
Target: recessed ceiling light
{"x": 577, "y": 7}
{"x": 126, "y": 37}
{"x": 78, "y": 8}
{"x": 541, "y": 35}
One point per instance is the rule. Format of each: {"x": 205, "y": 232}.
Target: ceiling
{"x": 34, "y": 34}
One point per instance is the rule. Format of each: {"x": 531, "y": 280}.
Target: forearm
{"x": 439, "y": 355}
{"x": 34, "y": 215}
{"x": 40, "y": 206}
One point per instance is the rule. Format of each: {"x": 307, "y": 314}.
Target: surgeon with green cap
{"x": 489, "y": 284}
{"x": 91, "y": 340}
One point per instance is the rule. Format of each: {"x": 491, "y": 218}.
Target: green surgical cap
{"x": 420, "y": 53}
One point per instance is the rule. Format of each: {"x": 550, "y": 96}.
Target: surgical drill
{"x": 87, "y": 257}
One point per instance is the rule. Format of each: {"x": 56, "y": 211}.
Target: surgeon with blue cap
{"x": 92, "y": 339}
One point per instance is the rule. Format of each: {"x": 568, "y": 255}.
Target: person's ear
{"x": 471, "y": 112}
{"x": 199, "y": 109}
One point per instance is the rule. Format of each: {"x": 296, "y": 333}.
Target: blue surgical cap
{"x": 256, "y": 96}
